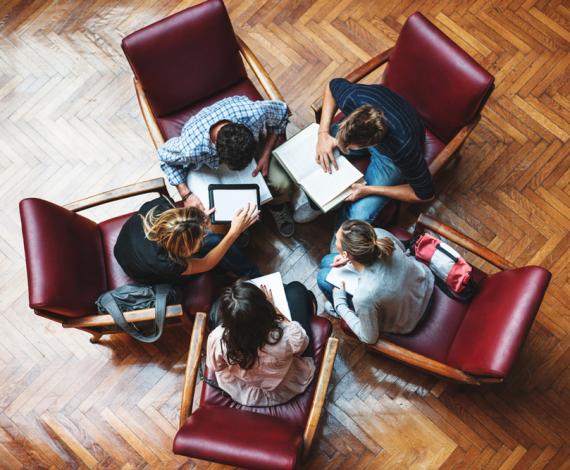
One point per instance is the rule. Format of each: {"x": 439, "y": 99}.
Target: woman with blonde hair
{"x": 393, "y": 290}
{"x": 162, "y": 243}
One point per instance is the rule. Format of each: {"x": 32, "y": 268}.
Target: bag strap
{"x": 161, "y": 295}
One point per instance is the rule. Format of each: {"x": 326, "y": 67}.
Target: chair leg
{"x": 95, "y": 338}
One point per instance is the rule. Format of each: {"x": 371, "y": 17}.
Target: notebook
{"x": 199, "y": 180}
{"x": 346, "y": 273}
{"x": 297, "y": 157}
{"x": 274, "y": 283}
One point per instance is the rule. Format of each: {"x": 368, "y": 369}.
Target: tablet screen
{"x": 228, "y": 201}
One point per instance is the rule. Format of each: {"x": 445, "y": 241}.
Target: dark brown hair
{"x": 359, "y": 240}
{"x": 250, "y": 321}
{"x": 364, "y": 127}
{"x": 235, "y": 146}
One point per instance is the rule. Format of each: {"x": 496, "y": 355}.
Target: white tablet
{"x": 230, "y": 198}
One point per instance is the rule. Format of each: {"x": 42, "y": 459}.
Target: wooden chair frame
{"x": 99, "y": 325}
{"x": 454, "y": 145}
{"x": 252, "y": 61}
{"x": 427, "y": 364}
{"x": 193, "y": 364}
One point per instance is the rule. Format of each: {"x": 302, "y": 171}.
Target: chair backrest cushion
{"x": 186, "y": 57}
{"x": 498, "y": 320}
{"x": 64, "y": 259}
{"x": 443, "y": 83}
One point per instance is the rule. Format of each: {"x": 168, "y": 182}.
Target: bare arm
{"x": 242, "y": 220}
{"x": 189, "y": 198}
{"x": 263, "y": 163}
{"x": 326, "y": 143}
{"x": 401, "y": 192}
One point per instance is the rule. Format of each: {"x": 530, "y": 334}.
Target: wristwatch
{"x": 186, "y": 196}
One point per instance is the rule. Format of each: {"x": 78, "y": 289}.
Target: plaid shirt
{"x": 193, "y": 148}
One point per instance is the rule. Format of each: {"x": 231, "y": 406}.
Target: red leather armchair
{"x": 276, "y": 437}
{"x": 440, "y": 80}
{"x": 70, "y": 262}
{"x": 473, "y": 342}
{"x": 188, "y": 61}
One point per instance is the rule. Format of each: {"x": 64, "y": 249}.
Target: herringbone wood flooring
{"x": 70, "y": 127}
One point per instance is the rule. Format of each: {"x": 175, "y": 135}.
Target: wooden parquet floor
{"x": 70, "y": 127}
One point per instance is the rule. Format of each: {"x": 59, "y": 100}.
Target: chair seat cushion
{"x": 498, "y": 321}
{"x": 295, "y": 411}
{"x": 171, "y": 125}
{"x": 197, "y": 291}
{"x": 239, "y": 438}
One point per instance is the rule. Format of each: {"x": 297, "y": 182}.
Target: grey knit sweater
{"x": 391, "y": 296}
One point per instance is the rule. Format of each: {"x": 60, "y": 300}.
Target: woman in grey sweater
{"x": 392, "y": 291}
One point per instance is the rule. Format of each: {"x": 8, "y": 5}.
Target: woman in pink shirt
{"x": 256, "y": 353}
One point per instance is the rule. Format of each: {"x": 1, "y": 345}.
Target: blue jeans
{"x": 380, "y": 172}
{"x": 234, "y": 261}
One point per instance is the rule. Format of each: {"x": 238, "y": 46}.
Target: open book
{"x": 297, "y": 156}
{"x": 346, "y": 273}
{"x": 199, "y": 180}
{"x": 274, "y": 283}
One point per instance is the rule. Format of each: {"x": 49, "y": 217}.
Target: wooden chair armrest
{"x": 422, "y": 362}
{"x": 154, "y": 185}
{"x": 192, "y": 365}
{"x": 451, "y": 148}
{"x": 259, "y": 71}
{"x": 356, "y": 75}
{"x": 320, "y": 395}
{"x": 464, "y": 241}
{"x": 134, "y": 316}
{"x": 148, "y": 116}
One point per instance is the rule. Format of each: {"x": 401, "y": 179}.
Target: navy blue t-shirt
{"x": 404, "y": 141}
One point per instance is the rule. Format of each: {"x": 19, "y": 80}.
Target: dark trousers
{"x": 234, "y": 261}
{"x": 302, "y": 303}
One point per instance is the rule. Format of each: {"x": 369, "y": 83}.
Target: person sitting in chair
{"x": 232, "y": 132}
{"x": 259, "y": 357}
{"x": 382, "y": 124}
{"x": 393, "y": 292}
{"x": 162, "y": 243}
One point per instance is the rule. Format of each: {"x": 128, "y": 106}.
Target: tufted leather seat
{"x": 251, "y": 437}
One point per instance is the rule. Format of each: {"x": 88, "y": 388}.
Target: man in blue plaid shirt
{"x": 230, "y": 132}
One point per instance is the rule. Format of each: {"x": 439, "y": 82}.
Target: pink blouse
{"x": 278, "y": 375}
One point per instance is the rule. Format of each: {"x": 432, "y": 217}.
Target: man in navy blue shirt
{"x": 386, "y": 126}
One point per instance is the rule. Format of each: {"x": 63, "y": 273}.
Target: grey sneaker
{"x": 304, "y": 213}
{"x": 283, "y": 220}
{"x": 329, "y": 310}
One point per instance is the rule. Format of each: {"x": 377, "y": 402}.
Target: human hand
{"x": 244, "y": 218}
{"x": 359, "y": 190}
{"x": 326, "y": 144}
{"x": 194, "y": 201}
{"x": 339, "y": 261}
{"x": 267, "y": 293}
{"x": 262, "y": 166}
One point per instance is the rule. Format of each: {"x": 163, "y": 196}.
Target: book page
{"x": 199, "y": 180}
{"x": 297, "y": 156}
{"x": 274, "y": 282}
{"x": 324, "y": 187}
{"x": 346, "y": 273}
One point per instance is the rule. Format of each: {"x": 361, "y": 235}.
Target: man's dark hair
{"x": 235, "y": 146}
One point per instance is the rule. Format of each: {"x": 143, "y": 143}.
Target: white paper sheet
{"x": 274, "y": 282}
{"x": 346, "y": 273}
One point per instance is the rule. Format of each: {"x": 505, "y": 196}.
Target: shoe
{"x": 283, "y": 220}
{"x": 304, "y": 213}
{"x": 329, "y": 310}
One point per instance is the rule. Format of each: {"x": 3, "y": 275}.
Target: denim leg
{"x": 324, "y": 269}
{"x": 382, "y": 171}
{"x": 234, "y": 261}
